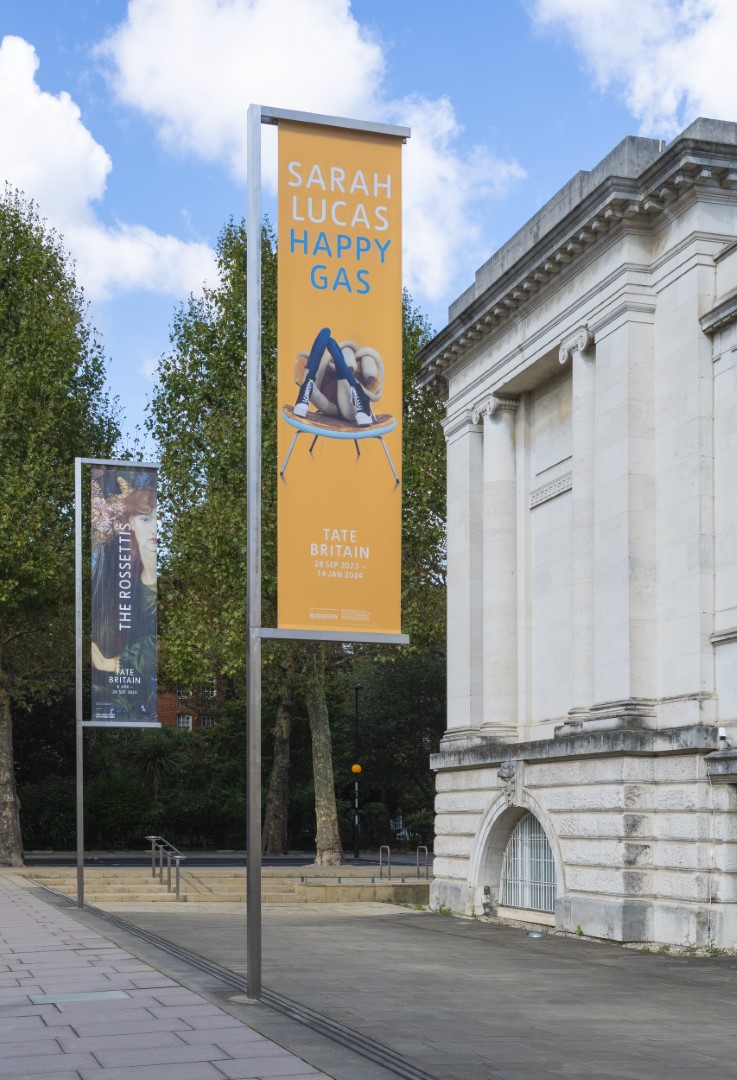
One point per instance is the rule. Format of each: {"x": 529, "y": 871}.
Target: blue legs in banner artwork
{"x": 313, "y": 362}
{"x": 358, "y": 400}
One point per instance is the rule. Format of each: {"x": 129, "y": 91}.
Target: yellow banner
{"x": 340, "y": 380}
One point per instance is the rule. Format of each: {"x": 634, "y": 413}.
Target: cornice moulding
{"x": 720, "y": 316}
{"x": 619, "y": 203}
{"x": 697, "y": 738}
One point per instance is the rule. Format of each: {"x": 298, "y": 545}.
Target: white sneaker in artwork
{"x": 362, "y": 405}
{"x": 304, "y": 396}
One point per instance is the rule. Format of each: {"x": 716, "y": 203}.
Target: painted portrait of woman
{"x": 124, "y": 567}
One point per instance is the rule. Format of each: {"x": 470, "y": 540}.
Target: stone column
{"x": 625, "y": 623}
{"x": 579, "y": 349}
{"x": 465, "y": 455}
{"x": 499, "y": 569}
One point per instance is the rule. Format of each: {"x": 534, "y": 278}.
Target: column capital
{"x": 460, "y": 423}
{"x": 580, "y": 341}
{"x": 492, "y": 405}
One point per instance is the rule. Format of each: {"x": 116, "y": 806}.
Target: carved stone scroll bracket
{"x": 492, "y": 405}
{"x": 510, "y": 774}
{"x": 582, "y": 340}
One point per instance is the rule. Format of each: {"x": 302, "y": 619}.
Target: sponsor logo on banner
{"x": 123, "y": 625}
{"x": 340, "y": 379}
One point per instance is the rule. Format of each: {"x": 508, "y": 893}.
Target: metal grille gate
{"x": 528, "y": 870}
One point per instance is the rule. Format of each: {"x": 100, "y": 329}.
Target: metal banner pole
{"x": 253, "y": 567}
{"x": 78, "y": 651}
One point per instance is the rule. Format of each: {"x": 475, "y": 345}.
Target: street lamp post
{"x": 356, "y": 770}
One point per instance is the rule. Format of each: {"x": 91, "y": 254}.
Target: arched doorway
{"x": 516, "y": 862}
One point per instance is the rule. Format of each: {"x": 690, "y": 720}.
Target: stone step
{"x": 120, "y": 883}
{"x": 129, "y": 898}
{"x": 217, "y": 898}
{"x": 135, "y": 885}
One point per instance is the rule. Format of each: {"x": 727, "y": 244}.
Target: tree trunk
{"x": 327, "y": 840}
{"x": 11, "y": 845}
{"x": 274, "y": 835}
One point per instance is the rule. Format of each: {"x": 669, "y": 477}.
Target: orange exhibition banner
{"x": 340, "y": 379}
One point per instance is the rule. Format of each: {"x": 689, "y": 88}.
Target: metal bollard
{"x": 161, "y": 866}
{"x": 153, "y": 855}
{"x": 168, "y": 871}
{"x": 423, "y": 847}
{"x": 176, "y": 860}
{"x": 388, "y": 850}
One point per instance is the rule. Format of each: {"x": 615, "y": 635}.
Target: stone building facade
{"x": 586, "y": 777}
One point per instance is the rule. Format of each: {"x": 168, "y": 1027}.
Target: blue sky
{"x": 125, "y": 121}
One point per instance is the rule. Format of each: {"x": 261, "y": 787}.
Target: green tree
{"x": 156, "y": 756}
{"x": 53, "y": 407}
{"x": 327, "y": 836}
{"x": 198, "y": 419}
{"x": 423, "y": 495}
{"x": 274, "y": 840}
{"x": 401, "y": 721}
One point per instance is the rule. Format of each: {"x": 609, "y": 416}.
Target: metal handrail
{"x": 423, "y": 847}
{"x": 164, "y": 848}
{"x": 388, "y": 850}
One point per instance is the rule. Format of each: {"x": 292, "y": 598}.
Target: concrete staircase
{"x": 102, "y": 886}
{"x": 205, "y": 885}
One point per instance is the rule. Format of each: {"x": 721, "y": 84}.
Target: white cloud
{"x": 441, "y": 187}
{"x": 193, "y": 66}
{"x": 45, "y": 148}
{"x": 671, "y": 60}
{"x": 149, "y": 368}
{"x": 131, "y": 257}
{"x": 47, "y": 152}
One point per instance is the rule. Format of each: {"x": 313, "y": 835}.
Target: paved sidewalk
{"x": 453, "y": 999}
{"x": 467, "y": 1000}
{"x": 74, "y": 1006}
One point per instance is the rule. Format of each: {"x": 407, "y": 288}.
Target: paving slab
{"x": 139, "y": 1035}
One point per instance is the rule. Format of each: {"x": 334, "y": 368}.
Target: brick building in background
{"x": 186, "y": 711}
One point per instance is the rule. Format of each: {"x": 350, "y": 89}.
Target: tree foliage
{"x": 53, "y": 407}
{"x": 198, "y": 417}
{"x": 401, "y": 719}
{"x": 423, "y": 495}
